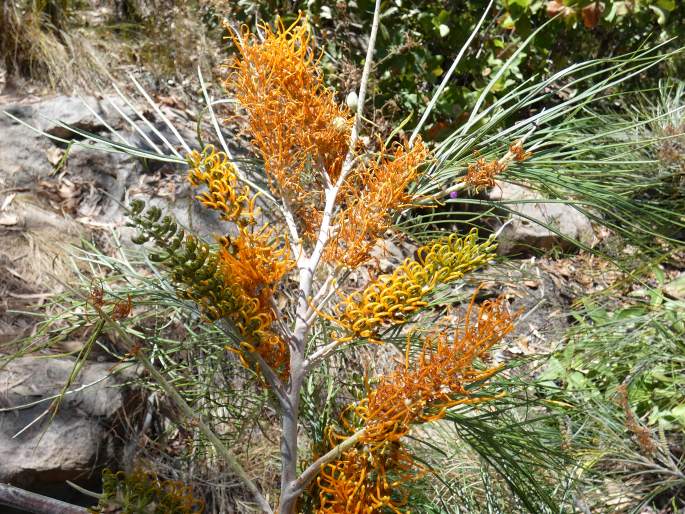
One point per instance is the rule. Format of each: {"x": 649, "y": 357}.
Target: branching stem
{"x": 313, "y": 469}
{"x": 291, "y": 486}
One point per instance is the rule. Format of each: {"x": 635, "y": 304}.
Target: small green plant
{"x": 622, "y": 377}
{"x": 419, "y": 40}
{"x": 141, "y": 492}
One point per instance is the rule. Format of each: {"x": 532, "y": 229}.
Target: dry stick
{"x": 27, "y": 501}
{"x": 307, "y": 268}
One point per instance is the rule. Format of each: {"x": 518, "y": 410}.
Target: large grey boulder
{"x": 522, "y": 234}
{"x": 83, "y": 113}
{"x": 27, "y": 157}
{"x": 78, "y": 440}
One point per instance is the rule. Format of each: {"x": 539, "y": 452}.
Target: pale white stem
{"x": 320, "y": 354}
{"x": 356, "y": 128}
{"x": 290, "y": 490}
{"x": 313, "y": 469}
{"x": 295, "y": 241}
{"x": 321, "y": 293}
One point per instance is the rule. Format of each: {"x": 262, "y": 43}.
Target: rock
{"x": 80, "y": 113}
{"x": 105, "y": 171}
{"x": 23, "y": 153}
{"x": 27, "y": 156}
{"x": 80, "y": 438}
{"x": 522, "y": 234}
{"x": 676, "y": 288}
{"x": 387, "y": 255}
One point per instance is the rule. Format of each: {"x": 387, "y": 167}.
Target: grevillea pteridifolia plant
{"x": 332, "y": 200}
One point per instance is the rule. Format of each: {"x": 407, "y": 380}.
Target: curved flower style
{"x": 369, "y": 478}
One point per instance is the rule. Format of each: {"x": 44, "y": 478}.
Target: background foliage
{"x": 418, "y": 41}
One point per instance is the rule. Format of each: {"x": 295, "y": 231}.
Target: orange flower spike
{"x": 253, "y": 317}
{"x": 440, "y": 377}
{"x": 373, "y": 195}
{"x": 481, "y": 173}
{"x": 258, "y": 262}
{"x": 357, "y": 483}
{"x": 292, "y": 116}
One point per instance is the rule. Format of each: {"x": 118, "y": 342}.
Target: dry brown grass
{"x": 36, "y": 43}
{"x": 65, "y": 45}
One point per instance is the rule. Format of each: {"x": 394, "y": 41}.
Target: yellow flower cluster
{"x": 391, "y": 299}
{"x": 215, "y": 171}
{"x": 251, "y": 263}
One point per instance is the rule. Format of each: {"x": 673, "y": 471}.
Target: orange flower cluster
{"x": 391, "y": 299}
{"x": 481, "y": 174}
{"x": 252, "y": 262}
{"x": 299, "y": 129}
{"x": 363, "y": 482}
{"x": 255, "y": 316}
{"x": 517, "y": 151}
{"x": 373, "y": 194}
{"x": 440, "y": 377}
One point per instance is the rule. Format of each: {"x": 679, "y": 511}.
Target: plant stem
{"x": 307, "y": 267}
{"x": 447, "y": 77}
{"x": 313, "y": 469}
